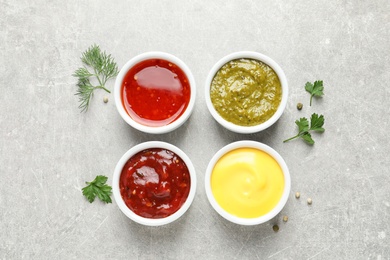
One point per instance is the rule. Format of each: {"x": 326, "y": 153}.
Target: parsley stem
{"x": 311, "y": 98}
{"x": 289, "y": 139}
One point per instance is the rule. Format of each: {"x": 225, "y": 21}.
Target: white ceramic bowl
{"x": 118, "y": 197}
{"x": 118, "y": 89}
{"x": 250, "y": 55}
{"x": 248, "y": 221}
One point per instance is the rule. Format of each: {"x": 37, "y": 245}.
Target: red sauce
{"x": 155, "y": 92}
{"x": 155, "y": 183}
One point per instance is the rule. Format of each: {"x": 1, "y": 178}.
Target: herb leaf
{"x": 307, "y": 138}
{"x": 85, "y": 92}
{"x": 303, "y": 124}
{"x": 104, "y": 68}
{"x": 315, "y": 89}
{"x": 82, "y": 73}
{"x": 316, "y": 123}
{"x": 98, "y": 187}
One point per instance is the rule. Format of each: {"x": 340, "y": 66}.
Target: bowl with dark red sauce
{"x": 154, "y": 183}
{"x": 155, "y": 92}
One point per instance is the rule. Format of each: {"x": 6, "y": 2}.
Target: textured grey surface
{"x": 49, "y": 149}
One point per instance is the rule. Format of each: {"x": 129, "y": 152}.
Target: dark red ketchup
{"x": 155, "y": 183}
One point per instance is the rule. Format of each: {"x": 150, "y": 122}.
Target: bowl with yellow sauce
{"x": 246, "y": 92}
{"x": 247, "y": 182}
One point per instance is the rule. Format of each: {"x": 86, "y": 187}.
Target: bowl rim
{"x": 118, "y": 89}
{"x": 248, "y": 221}
{"x": 117, "y": 173}
{"x": 250, "y": 55}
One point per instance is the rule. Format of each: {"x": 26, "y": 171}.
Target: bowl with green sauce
{"x": 246, "y": 92}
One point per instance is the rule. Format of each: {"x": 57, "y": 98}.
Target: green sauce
{"x": 246, "y": 92}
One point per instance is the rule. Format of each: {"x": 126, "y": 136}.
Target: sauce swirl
{"x": 247, "y": 182}
{"x": 155, "y": 183}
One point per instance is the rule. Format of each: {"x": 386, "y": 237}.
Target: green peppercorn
{"x": 275, "y": 228}
{"x": 299, "y": 106}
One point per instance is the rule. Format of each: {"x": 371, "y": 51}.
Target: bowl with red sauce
{"x": 154, "y": 183}
{"x": 155, "y": 92}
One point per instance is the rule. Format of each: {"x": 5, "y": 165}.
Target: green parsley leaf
{"x": 316, "y": 123}
{"x": 315, "y": 89}
{"x": 307, "y": 137}
{"x": 98, "y": 187}
{"x": 303, "y": 124}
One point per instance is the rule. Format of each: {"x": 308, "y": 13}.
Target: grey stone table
{"x": 48, "y": 149}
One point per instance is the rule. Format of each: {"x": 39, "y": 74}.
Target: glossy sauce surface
{"x": 247, "y": 182}
{"x": 155, "y": 183}
{"x": 155, "y": 92}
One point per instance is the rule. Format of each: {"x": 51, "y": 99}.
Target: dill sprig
{"x": 104, "y": 68}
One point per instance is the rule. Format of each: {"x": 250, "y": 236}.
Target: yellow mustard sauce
{"x": 247, "y": 182}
